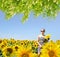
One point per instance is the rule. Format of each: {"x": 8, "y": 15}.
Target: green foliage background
{"x": 46, "y": 7}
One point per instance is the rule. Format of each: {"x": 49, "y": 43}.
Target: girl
{"x": 41, "y": 41}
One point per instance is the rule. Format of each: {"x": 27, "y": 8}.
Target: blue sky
{"x": 30, "y": 30}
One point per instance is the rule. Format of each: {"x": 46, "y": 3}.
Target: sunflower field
{"x": 28, "y": 48}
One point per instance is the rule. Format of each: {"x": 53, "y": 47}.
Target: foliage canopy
{"x": 46, "y": 7}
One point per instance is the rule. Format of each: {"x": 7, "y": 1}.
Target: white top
{"x": 41, "y": 38}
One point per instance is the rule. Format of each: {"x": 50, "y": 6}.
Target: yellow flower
{"x": 47, "y": 36}
{"x": 2, "y": 45}
{"x": 8, "y": 51}
{"x": 16, "y": 48}
{"x": 12, "y": 41}
{"x": 1, "y": 41}
{"x": 35, "y": 44}
{"x": 22, "y": 43}
{"x": 5, "y": 41}
{"x": 58, "y": 42}
{"x": 25, "y": 52}
{"x": 50, "y": 50}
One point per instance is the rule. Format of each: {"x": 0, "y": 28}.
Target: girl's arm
{"x": 38, "y": 41}
{"x": 39, "y": 44}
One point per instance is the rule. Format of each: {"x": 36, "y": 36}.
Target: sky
{"x": 30, "y": 30}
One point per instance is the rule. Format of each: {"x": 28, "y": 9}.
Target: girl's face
{"x": 42, "y": 32}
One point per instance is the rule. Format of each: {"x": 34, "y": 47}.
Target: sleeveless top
{"x": 41, "y": 39}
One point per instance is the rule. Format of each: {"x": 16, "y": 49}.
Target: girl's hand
{"x": 40, "y": 46}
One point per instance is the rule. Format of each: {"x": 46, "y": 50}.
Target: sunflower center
{"x": 0, "y": 41}
{"x": 16, "y": 48}
{"x": 2, "y": 46}
{"x": 25, "y": 55}
{"x": 52, "y": 53}
{"x": 9, "y": 50}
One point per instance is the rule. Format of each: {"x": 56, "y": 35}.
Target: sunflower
{"x": 47, "y": 36}
{"x": 58, "y": 42}
{"x": 22, "y": 43}
{"x": 8, "y": 51}
{"x": 26, "y": 42}
{"x": 25, "y": 52}
{"x": 18, "y": 42}
{"x": 35, "y": 47}
{"x": 16, "y": 48}
{"x": 1, "y": 41}
{"x": 35, "y": 44}
{"x": 5, "y": 41}
{"x": 50, "y": 50}
{"x": 2, "y": 45}
{"x": 12, "y": 41}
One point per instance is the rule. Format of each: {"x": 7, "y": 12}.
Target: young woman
{"x": 41, "y": 40}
